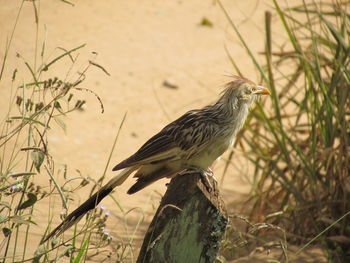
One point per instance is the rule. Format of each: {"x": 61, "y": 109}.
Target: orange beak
{"x": 262, "y": 91}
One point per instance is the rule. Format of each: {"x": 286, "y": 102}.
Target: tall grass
{"x": 39, "y": 101}
{"x": 299, "y": 144}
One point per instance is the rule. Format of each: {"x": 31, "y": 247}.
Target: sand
{"x": 141, "y": 44}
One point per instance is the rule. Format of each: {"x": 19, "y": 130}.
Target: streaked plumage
{"x": 196, "y": 139}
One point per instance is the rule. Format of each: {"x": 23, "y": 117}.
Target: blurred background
{"x": 151, "y": 61}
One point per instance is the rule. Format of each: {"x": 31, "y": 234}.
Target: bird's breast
{"x": 206, "y": 157}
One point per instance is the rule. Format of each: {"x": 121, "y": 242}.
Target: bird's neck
{"x": 228, "y": 106}
{"x": 233, "y": 112}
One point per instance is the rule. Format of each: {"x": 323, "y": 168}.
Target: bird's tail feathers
{"x": 90, "y": 203}
{"x": 149, "y": 178}
{"x": 120, "y": 178}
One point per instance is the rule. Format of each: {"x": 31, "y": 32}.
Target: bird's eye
{"x": 249, "y": 90}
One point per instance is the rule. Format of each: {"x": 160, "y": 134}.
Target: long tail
{"x": 91, "y": 203}
{"x": 147, "y": 178}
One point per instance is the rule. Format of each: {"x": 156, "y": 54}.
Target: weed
{"x": 299, "y": 144}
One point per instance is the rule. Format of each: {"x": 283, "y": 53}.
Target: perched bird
{"x": 193, "y": 141}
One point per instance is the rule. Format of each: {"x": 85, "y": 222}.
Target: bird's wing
{"x": 159, "y": 148}
{"x": 197, "y": 131}
{"x": 182, "y": 138}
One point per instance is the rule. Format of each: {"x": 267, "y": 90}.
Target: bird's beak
{"x": 262, "y": 91}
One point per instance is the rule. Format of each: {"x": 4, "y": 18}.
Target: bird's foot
{"x": 204, "y": 176}
{"x": 205, "y": 179}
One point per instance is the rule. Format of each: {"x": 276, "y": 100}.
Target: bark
{"x": 188, "y": 225}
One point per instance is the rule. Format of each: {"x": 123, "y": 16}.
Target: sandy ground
{"x": 141, "y": 44}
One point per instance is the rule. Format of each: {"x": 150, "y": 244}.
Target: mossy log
{"x": 188, "y": 225}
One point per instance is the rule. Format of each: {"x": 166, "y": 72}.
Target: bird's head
{"x": 242, "y": 90}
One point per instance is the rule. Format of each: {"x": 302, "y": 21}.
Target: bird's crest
{"x": 237, "y": 81}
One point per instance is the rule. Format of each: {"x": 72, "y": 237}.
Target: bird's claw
{"x": 205, "y": 179}
{"x": 204, "y": 176}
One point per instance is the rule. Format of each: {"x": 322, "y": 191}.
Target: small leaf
{"x": 29, "y": 202}
{"x": 82, "y": 250}
{"x": 39, "y": 106}
{"x": 38, "y": 158}
{"x": 57, "y": 105}
{"x": 60, "y": 123}
{"x": 6, "y": 231}
{"x": 46, "y": 67}
{"x": 99, "y": 66}
{"x": 16, "y": 186}
{"x": 28, "y": 119}
{"x": 19, "y": 100}
{"x": 19, "y": 220}
{"x": 15, "y": 175}
{"x": 70, "y": 97}
{"x": 67, "y": 2}
{"x": 41, "y": 251}
{"x": 55, "y": 242}
{"x": 79, "y": 104}
{"x": 14, "y": 74}
{"x": 3, "y": 218}
{"x": 84, "y": 182}
{"x": 5, "y": 204}
{"x": 66, "y": 252}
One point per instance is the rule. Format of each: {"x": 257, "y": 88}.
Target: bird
{"x": 192, "y": 142}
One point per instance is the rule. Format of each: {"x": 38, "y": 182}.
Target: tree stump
{"x": 188, "y": 225}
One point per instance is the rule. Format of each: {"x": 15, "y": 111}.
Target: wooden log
{"x": 188, "y": 225}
